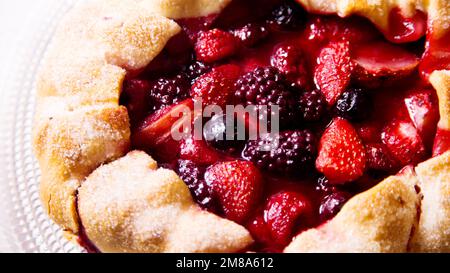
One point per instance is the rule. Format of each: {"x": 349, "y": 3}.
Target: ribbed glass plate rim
{"x": 23, "y": 222}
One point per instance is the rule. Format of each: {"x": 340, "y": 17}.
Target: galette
{"x": 248, "y": 126}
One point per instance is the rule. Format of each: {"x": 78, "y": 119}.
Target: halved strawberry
{"x": 282, "y": 213}
{"x": 441, "y": 142}
{"x": 198, "y": 152}
{"x": 342, "y": 156}
{"x": 405, "y": 30}
{"x": 334, "y": 69}
{"x": 214, "y": 45}
{"x": 217, "y": 86}
{"x": 155, "y": 133}
{"x": 323, "y": 29}
{"x": 238, "y": 187}
{"x": 403, "y": 142}
{"x": 423, "y": 109}
{"x": 377, "y": 62}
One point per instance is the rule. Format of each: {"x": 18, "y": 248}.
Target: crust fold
{"x": 132, "y": 206}
{"x": 433, "y": 233}
{"x": 378, "y": 220}
{"x": 79, "y": 124}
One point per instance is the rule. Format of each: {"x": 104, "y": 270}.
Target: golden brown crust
{"x": 79, "y": 124}
{"x": 132, "y": 206}
{"x": 433, "y": 233}
{"x": 71, "y": 144}
{"x": 378, "y": 220}
{"x": 441, "y": 82}
{"x": 176, "y": 9}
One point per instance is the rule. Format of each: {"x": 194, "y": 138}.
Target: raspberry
{"x": 168, "y": 91}
{"x": 296, "y": 151}
{"x": 354, "y": 104}
{"x": 214, "y": 45}
{"x": 192, "y": 175}
{"x": 332, "y": 204}
{"x": 217, "y": 86}
{"x": 289, "y": 60}
{"x": 196, "y": 69}
{"x": 267, "y": 87}
{"x": 251, "y": 34}
{"x": 312, "y": 105}
{"x": 288, "y": 15}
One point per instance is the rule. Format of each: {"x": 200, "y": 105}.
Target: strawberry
{"x": 214, "y": 45}
{"x": 342, "y": 157}
{"x": 379, "y": 158}
{"x": 259, "y": 230}
{"x": 217, "y": 86}
{"x": 423, "y": 109}
{"x": 155, "y": 133}
{"x": 441, "y": 142}
{"x": 282, "y": 212}
{"x": 321, "y": 30}
{"x": 198, "y": 152}
{"x": 289, "y": 60}
{"x": 378, "y": 62}
{"x": 333, "y": 71}
{"x": 238, "y": 187}
{"x": 403, "y": 142}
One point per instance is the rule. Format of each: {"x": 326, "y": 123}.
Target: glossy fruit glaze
{"x": 352, "y": 88}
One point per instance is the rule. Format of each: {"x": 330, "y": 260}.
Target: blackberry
{"x": 354, "y": 105}
{"x": 266, "y": 86}
{"x": 193, "y": 177}
{"x": 196, "y": 69}
{"x": 288, "y": 15}
{"x": 312, "y": 105}
{"x": 332, "y": 204}
{"x": 286, "y": 152}
{"x": 167, "y": 91}
{"x": 251, "y": 34}
{"x": 217, "y": 135}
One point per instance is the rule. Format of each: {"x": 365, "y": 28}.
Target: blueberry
{"x": 354, "y": 105}
{"x": 288, "y": 15}
{"x": 221, "y": 132}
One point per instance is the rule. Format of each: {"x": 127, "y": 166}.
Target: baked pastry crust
{"x": 80, "y": 126}
{"x": 378, "y": 220}
{"x": 132, "y": 206}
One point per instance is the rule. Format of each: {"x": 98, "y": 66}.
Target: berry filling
{"x": 351, "y": 110}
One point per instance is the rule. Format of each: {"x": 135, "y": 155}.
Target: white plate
{"x": 26, "y": 29}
